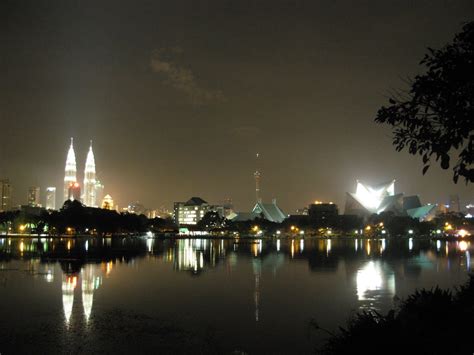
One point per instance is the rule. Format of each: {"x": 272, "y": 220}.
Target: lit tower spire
{"x": 70, "y": 170}
{"x": 257, "y": 175}
{"x": 89, "y": 180}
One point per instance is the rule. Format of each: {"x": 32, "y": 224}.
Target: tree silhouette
{"x": 435, "y": 117}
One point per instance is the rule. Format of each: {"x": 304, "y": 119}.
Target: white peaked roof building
{"x": 368, "y": 200}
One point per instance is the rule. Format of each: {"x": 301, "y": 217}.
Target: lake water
{"x": 205, "y": 296}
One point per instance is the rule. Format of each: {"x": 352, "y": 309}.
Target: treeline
{"x": 75, "y": 218}
{"x": 385, "y": 223}
{"x": 428, "y": 322}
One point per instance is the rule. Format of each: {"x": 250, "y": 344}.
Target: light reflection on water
{"x": 262, "y": 288}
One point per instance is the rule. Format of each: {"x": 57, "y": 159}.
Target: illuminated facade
{"x": 108, "y": 203}
{"x": 70, "y": 170}
{"x": 74, "y": 192}
{"x": 368, "y": 200}
{"x": 190, "y": 212}
{"x": 5, "y": 195}
{"x": 193, "y": 210}
{"x": 90, "y": 197}
{"x": 34, "y": 196}
{"x": 50, "y": 198}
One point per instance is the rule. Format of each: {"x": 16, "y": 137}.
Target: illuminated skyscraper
{"x": 34, "y": 196}
{"x": 5, "y": 195}
{"x": 70, "y": 170}
{"x": 89, "y": 198}
{"x": 50, "y": 198}
{"x": 99, "y": 192}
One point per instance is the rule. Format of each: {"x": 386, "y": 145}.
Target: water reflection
{"x": 375, "y": 266}
{"x": 371, "y": 279}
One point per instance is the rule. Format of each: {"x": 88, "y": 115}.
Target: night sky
{"x": 178, "y": 96}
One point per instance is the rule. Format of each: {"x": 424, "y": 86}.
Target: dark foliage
{"x": 428, "y": 322}
{"x": 435, "y": 118}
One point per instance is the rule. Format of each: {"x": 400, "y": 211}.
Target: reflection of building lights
{"x": 68, "y": 287}
{"x": 108, "y": 268}
{"x": 463, "y": 233}
{"x": 22, "y": 246}
{"x": 468, "y": 260}
{"x": 68, "y": 246}
{"x": 462, "y": 245}
{"x": 370, "y": 278}
{"x": 301, "y": 245}
{"x": 410, "y": 244}
{"x": 328, "y": 246}
{"x": 382, "y": 247}
{"x": 278, "y": 244}
{"x": 356, "y": 246}
{"x": 438, "y": 245}
{"x": 292, "y": 248}
{"x": 49, "y": 276}
{"x": 368, "y": 247}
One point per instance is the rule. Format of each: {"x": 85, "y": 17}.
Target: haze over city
{"x": 179, "y": 96}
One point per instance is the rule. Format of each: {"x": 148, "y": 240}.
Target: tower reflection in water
{"x": 86, "y": 282}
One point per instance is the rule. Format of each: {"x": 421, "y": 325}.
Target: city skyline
{"x": 183, "y": 110}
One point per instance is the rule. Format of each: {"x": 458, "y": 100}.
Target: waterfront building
{"x": 50, "y": 198}
{"x": 269, "y": 211}
{"x": 108, "y": 202}
{"x": 34, "y": 196}
{"x": 89, "y": 198}
{"x": 323, "y": 214}
{"x": 74, "y": 192}
{"x": 368, "y": 200}
{"x": 191, "y": 211}
{"x": 69, "y": 171}
{"x": 5, "y": 195}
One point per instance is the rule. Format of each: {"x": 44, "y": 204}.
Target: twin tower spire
{"x": 89, "y": 197}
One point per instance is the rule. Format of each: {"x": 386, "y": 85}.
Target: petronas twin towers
{"x": 89, "y": 196}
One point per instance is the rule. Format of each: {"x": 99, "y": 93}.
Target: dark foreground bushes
{"x": 428, "y": 322}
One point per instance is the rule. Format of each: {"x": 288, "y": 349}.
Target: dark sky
{"x": 178, "y": 96}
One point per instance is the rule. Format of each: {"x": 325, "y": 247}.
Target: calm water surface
{"x": 201, "y": 296}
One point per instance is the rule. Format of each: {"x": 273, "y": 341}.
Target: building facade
{"x": 368, "y": 200}
{"x": 193, "y": 210}
{"x": 34, "y": 196}
{"x": 108, "y": 202}
{"x": 50, "y": 198}
{"x": 323, "y": 214}
{"x": 5, "y": 195}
